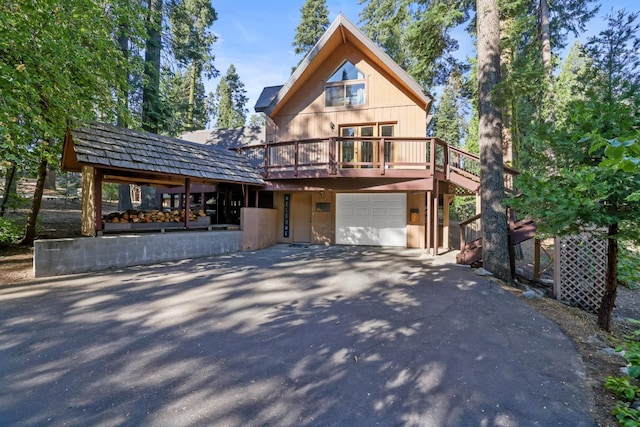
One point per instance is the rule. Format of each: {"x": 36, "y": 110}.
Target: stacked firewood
{"x": 151, "y": 216}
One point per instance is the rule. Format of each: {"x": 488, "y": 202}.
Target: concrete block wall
{"x": 67, "y": 256}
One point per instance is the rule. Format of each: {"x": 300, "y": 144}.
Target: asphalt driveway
{"x": 286, "y": 336}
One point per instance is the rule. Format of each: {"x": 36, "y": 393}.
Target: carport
{"x": 107, "y": 153}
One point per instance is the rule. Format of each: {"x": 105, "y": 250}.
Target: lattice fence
{"x": 580, "y": 270}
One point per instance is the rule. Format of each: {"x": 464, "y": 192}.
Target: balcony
{"x": 369, "y": 157}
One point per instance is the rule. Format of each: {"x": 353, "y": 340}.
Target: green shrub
{"x": 463, "y": 207}
{"x": 628, "y": 268}
{"x": 10, "y": 231}
{"x": 627, "y": 388}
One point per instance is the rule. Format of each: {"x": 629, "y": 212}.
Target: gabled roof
{"x": 341, "y": 31}
{"x": 160, "y": 159}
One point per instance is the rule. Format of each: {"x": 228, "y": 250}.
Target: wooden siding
{"x": 304, "y": 115}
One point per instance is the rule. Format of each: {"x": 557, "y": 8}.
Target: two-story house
{"x": 346, "y": 155}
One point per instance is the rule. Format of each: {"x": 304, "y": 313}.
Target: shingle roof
{"x": 115, "y": 147}
{"x": 228, "y": 138}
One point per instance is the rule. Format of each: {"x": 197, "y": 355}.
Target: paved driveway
{"x": 284, "y": 337}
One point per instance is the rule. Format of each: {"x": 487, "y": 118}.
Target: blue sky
{"x": 256, "y": 37}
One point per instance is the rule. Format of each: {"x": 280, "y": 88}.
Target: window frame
{"x": 347, "y": 90}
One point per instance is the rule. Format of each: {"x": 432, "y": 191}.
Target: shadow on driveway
{"x": 286, "y": 336}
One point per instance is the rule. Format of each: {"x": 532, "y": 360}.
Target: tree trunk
{"x": 147, "y": 198}
{"x": 124, "y": 197}
{"x": 50, "y": 180}
{"x": 151, "y": 89}
{"x": 495, "y": 241}
{"x": 609, "y": 298}
{"x": 124, "y": 190}
{"x": 30, "y": 232}
{"x": 10, "y": 188}
{"x": 192, "y": 94}
{"x": 545, "y": 40}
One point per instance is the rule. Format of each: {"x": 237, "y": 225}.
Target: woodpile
{"x": 151, "y": 216}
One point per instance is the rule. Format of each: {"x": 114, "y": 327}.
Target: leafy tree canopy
{"x": 46, "y": 49}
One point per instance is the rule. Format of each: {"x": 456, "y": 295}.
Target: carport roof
{"x": 137, "y": 156}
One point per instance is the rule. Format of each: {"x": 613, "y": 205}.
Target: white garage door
{"x": 375, "y": 219}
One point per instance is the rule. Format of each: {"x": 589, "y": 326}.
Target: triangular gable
{"x": 341, "y": 31}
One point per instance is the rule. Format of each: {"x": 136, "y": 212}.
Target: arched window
{"x": 345, "y": 87}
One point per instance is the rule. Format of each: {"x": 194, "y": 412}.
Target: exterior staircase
{"x": 520, "y": 230}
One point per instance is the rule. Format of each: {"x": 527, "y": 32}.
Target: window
{"x": 345, "y": 87}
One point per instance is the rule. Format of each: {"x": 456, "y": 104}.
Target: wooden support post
{"x": 536, "y": 259}
{"x": 159, "y": 198}
{"x": 448, "y": 198}
{"x": 257, "y": 198}
{"x": 436, "y": 231}
{"x": 429, "y": 205}
{"x": 187, "y": 197}
{"x": 203, "y": 202}
{"x": 91, "y": 220}
{"x": 98, "y": 200}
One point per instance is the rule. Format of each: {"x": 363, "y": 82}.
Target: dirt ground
{"x": 60, "y": 217}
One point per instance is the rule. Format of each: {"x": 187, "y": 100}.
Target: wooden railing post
{"x": 296, "y": 155}
{"x": 333, "y": 168}
{"x": 432, "y": 156}
{"x": 380, "y": 143}
{"x": 266, "y": 160}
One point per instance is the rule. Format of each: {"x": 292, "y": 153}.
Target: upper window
{"x": 345, "y": 87}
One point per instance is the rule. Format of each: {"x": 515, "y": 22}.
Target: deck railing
{"x": 339, "y": 153}
{"x": 370, "y": 155}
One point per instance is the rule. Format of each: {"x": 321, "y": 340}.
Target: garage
{"x": 371, "y": 219}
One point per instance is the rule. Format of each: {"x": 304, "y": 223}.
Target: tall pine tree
{"x": 495, "y": 242}
{"x": 192, "y": 38}
{"x": 314, "y": 22}
{"x": 449, "y": 123}
{"x": 230, "y": 101}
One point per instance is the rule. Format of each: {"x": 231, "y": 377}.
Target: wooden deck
{"x": 391, "y": 158}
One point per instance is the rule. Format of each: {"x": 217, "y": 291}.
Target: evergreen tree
{"x": 313, "y": 24}
{"x": 257, "y": 120}
{"x": 569, "y": 85}
{"x": 178, "y": 115}
{"x": 192, "y": 39}
{"x": 495, "y": 241}
{"x": 385, "y": 22}
{"x": 230, "y": 101}
{"x": 449, "y": 118}
{"x": 151, "y": 89}
{"x": 569, "y": 188}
